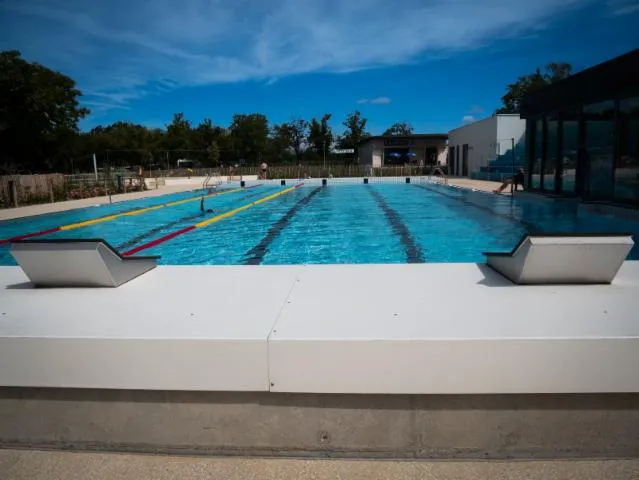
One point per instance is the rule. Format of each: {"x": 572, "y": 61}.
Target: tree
{"x": 39, "y": 108}
{"x": 249, "y": 136}
{"x": 214, "y": 153}
{"x": 207, "y": 137}
{"x": 355, "y": 131}
{"x": 320, "y": 135}
{"x": 399, "y": 128}
{"x": 292, "y": 135}
{"x": 528, "y": 83}
{"x": 178, "y": 133}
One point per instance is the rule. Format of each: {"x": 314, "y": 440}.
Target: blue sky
{"x": 433, "y": 63}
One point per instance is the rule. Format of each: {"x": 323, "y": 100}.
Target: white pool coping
{"x": 428, "y": 328}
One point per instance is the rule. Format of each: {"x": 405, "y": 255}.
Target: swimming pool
{"x": 337, "y": 223}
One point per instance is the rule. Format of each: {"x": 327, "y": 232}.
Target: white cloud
{"x": 119, "y": 50}
{"x": 375, "y": 101}
{"x": 623, "y": 7}
{"x": 380, "y": 101}
{"x": 468, "y": 119}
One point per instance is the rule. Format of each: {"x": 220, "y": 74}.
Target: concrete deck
{"x": 453, "y": 328}
{"x": 323, "y": 329}
{"x": 44, "y": 465}
{"x": 182, "y": 329}
{"x": 481, "y": 185}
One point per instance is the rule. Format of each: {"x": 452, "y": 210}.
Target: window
{"x": 627, "y": 167}
{"x": 600, "y": 140}
{"x": 569, "y": 150}
{"x": 550, "y": 163}
{"x": 538, "y": 135}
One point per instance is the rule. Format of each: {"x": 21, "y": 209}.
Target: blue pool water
{"x": 377, "y": 223}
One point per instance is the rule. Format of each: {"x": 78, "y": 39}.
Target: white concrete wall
{"x": 377, "y": 158}
{"x": 195, "y": 181}
{"x": 508, "y": 127}
{"x": 292, "y": 329}
{"x": 442, "y": 156}
{"x": 365, "y": 153}
{"x": 481, "y": 137}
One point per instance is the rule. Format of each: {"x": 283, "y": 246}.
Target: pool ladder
{"x": 212, "y": 179}
{"x": 441, "y": 173}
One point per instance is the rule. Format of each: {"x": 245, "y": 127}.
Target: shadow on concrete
{"x": 594, "y": 401}
{"x": 493, "y": 278}
{"x": 20, "y": 286}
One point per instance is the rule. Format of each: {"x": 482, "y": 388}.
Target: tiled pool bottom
{"x": 337, "y": 223}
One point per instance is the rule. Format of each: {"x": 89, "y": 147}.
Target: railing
{"x": 303, "y": 171}
{"x": 439, "y": 170}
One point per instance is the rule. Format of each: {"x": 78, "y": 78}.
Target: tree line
{"x": 40, "y": 110}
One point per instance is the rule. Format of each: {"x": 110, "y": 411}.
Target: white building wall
{"x": 377, "y": 158}
{"x": 480, "y": 137}
{"x": 487, "y": 139}
{"x": 442, "y": 155}
{"x": 509, "y": 127}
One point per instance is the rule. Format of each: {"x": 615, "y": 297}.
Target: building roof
{"x": 434, "y": 136}
{"x": 616, "y": 78}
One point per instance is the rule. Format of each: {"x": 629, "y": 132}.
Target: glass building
{"x": 582, "y": 133}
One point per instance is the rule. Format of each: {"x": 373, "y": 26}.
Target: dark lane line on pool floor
{"x": 255, "y": 255}
{"x": 414, "y": 253}
{"x": 114, "y": 215}
{"x": 149, "y": 233}
{"x": 531, "y": 228}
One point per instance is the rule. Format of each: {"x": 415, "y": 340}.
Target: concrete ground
{"x": 53, "y": 465}
{"x": 482, "y": 185}
{"x": 31, "y": 210}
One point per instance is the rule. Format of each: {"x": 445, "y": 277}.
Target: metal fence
{"x": 20, "y": 190}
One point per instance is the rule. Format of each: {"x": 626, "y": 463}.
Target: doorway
{"x": 465, "y": 160}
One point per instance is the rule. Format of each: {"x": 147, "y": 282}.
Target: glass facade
{"x": 536, "y": 154}
{"x": 627, "y": 165}
{"x": 569, "y": 151}
{"x": 550, "y": 158}
{"x": 599, "y": 136}
{"x": 590, "y": 150}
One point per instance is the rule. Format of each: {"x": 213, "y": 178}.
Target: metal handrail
{"x": 441, "y": 172}
{"x": 208, "y": 175}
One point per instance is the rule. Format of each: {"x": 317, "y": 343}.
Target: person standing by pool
{"x": 263, "y": 168}
{"x": 517, "y": 179}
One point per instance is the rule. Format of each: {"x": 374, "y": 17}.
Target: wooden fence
{"x": 21, "y": 190}
{"x": 18, "y": 190}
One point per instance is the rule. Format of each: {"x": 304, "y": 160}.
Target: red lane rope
{"x": 29, "y": 235}
{"x": 57, "y": 229}
{"x": 168, "y": 237}
{"x": 157, "y": 241}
